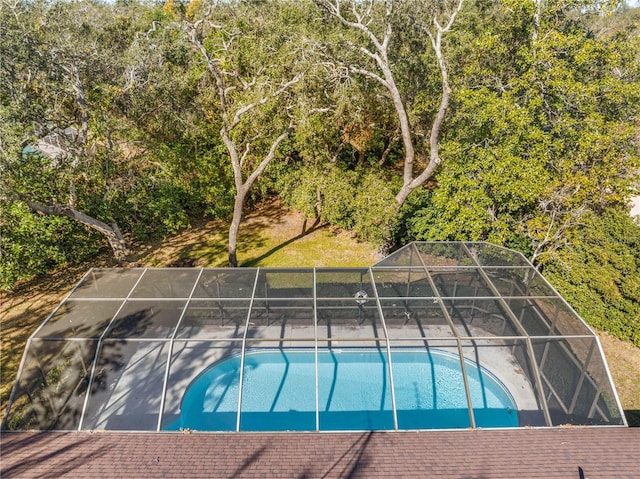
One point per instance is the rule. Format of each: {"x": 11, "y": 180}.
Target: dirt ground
{"x": 269, "y": 237}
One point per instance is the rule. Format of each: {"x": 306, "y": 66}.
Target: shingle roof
{"x": 518, "y": 453}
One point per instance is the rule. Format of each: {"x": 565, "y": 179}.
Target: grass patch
{"x": 270, "y": 237}
{"x": 623, "y": 359}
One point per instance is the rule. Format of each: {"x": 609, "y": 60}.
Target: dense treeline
{"x": 511, "y": 121}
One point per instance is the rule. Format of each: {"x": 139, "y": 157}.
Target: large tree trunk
{"x": 111, "y": 233}
{"x": 242, "y": 188}
{"x": 235, "y": 226}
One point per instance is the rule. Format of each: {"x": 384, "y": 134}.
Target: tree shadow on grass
{"x": 206, "y": 245}
{"x": 252, "y": 262}
{"x": 256, "y": 229}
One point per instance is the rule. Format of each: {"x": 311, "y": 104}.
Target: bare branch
{"x": 245, "y": 153}
{"x": 453, "y": 16}
{"x": 561, "y": 219}
{"x": 247, "y": 108}
{"x": 392, "y": 142}
{"x": 75, "y": 83}
{"x": 247, "y": 85}
{"x": 364, "y": 51}
{"x": 211, "y": 64}
{"x": 154, "y": 28}
{"x": 320, "y": 110}
{"x": 333, "y": 8}
{"x": 385, "y": 78}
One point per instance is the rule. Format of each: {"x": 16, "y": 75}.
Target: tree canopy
{"x": 510, "y": 121}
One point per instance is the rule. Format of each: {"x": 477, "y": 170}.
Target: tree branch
{"x": 272, "y": 153}
{"x": 369, "y": 74}
{"x": 113, "y": 235}
{"x": 333, "y": 8}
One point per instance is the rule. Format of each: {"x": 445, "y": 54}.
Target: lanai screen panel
{"x": 126, "y": 348}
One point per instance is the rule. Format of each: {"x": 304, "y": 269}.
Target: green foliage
{"x": 153, "y": 210}
{"x": 496, "y": 171}
{"x": 375, "y": 208}
{"x": 327, "y": 193}
{"x": 173, "y": 185}
{"x": 31, "y": 244}
{"x": 600, "y": 274}
{"x": 540, "y": 153}
{"x": 540, "y": 133}
{"x": 407, "y": 226}
{"x": 360, "y": 200}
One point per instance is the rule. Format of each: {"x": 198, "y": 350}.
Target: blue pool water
{"x": 353, "y": 392}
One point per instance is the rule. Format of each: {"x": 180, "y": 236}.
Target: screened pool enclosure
{"x": 436, "y": 335}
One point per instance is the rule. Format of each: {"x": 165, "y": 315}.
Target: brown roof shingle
{"x": 549, "y": 453}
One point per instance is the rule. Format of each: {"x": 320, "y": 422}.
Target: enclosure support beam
{"x": 389, "y": 361}
{"x": 315, "y": 347}
{"x": 170, "y": 353}
{"x": 98, "y": 348}
{"x": 445, "y": 312}
{"x": 244, "y": 347}
{"x": 514, "y": 318}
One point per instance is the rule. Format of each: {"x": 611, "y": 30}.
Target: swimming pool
{"x": 354, "y": 392}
